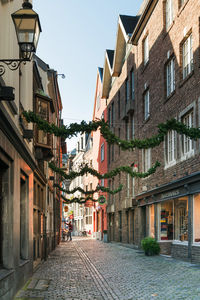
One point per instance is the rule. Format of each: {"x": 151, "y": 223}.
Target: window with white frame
{"x": 132, "y": 85}
{"x": 146, "y": 159}
{"x": 169, "y": 13}
{"x": 187, "y": 143}
{"x": 170, "y": 76}
{"x": 102, "y": 182}
{"x": 128, "y": 185}
{"x": 133, "y": 186}
{"x": 170, "y": 147}
{"x": 102, "y": 152}
{"x": 187, "y": 57}
{"x": 146, "y": 105}
{"x": 127, "y": 132}
{"x": 132, "y": 128}
{"x": 127, "y": 90}
{"x": 146, "y": 50}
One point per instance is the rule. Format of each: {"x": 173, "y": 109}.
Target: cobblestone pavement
{"x": 89, "y": 269}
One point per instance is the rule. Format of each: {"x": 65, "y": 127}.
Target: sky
{"x": 74, "y": 37}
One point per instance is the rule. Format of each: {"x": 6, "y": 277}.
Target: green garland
{"x": 98, "y": 188}
{"x": 80, "y": 200}
{"x": 64, "y": 131}
{"x": 110, "y": 174}
{"x": 74, "y": 128}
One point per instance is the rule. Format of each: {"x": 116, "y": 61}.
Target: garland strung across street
{"x": 75, "y": 128}
{"x": 80, "y": 200}
{"x": 110, "y": 174}
{"x": 98, "y": 188}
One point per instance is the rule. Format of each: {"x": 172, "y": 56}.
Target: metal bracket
{"x": 12, "y": 64}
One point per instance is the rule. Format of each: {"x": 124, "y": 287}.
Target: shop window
{"x": 196, "y": 214}
{"x": 187, "y": 143}
{"x": 151, "y": 221}
{"x": 166, "y": 220}
{"x": 170, "y": 145}
{"x": 168, "y": 13}
{"x": 170, "y": 77}
{"x": 146, "y": 105}
{"x": 187, "y": 56}
{"x": 181, "y": 219}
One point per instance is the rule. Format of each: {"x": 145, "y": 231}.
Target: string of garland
{"x": 98, "y": 188}
{"x": 80, "y": 200}
{"x": 110, "y": 174}
{"x": 75, "y": 128}
{"x": 65, "y": 131}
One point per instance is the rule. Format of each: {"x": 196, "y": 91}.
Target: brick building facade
{"x": 155, "y": 78}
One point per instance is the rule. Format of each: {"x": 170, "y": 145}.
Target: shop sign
{"x": 170, "y": 194}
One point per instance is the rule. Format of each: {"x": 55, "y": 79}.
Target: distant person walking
{"x": 70, "y": 227}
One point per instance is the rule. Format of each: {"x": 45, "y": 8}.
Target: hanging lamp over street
{"x": 28, "y": 28}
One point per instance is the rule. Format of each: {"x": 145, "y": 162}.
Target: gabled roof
{"x": 108, "y": 63}
{"x": 98, "y": 88}
{"x": 129, "y": 23}
{"x": 126, "y": 26}
{"x": 146, "y": 11}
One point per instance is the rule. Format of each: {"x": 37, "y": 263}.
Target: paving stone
{"x": 87, "y": 269}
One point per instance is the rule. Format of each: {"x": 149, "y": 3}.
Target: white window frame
{"x": 187, "y": 57}
{"x": 132, "y": 85}
{"x": 170, "y": 148}
{"x": 128, "y": 185}
{"x": 146, "y": 105}
{"x": 187, "y": 143}
{"x": 132, "y": 128}
{"x": 170, "y": 76}
{"x": 169, "y": 13}
{"x": 146, "y": 49}
{"x": 146, "y": 159}
{"x": 102, "y": 152}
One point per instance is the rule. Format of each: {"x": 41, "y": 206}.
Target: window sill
{"x": 196, "y": 244}
{"x": 146, "y": 120}
{"x": 185, "y": 243}
{"x": 145, "y": 65}
{"x": 23, "y": 262}
{"x": 5, "y": 273}
{"x": 186, "y": 78}
{"x": 187, "y": 156}
{"x": 182, "y": 8}
{"x": 169, "y": 165}
{"x": 170, "y": 96}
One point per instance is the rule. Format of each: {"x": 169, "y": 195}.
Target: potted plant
{"x": 105, "y": 236}
{"x": 150, "y": 246}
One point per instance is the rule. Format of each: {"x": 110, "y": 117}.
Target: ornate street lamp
{"x": 27, "y": 26}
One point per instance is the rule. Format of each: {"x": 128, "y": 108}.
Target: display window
{"x": 181, "y": 219}
{"x": 151, "y": 221}
{"x": 166, "y": 220}
{"x": 196, "y": 218}
{"x": 173, "y": 220}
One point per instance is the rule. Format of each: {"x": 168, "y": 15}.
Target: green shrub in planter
{"x": 150, "y": 246}
{"x": 105, "y": 231}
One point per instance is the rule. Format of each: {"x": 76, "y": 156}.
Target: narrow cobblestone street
{"x": 90, "y": 269}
